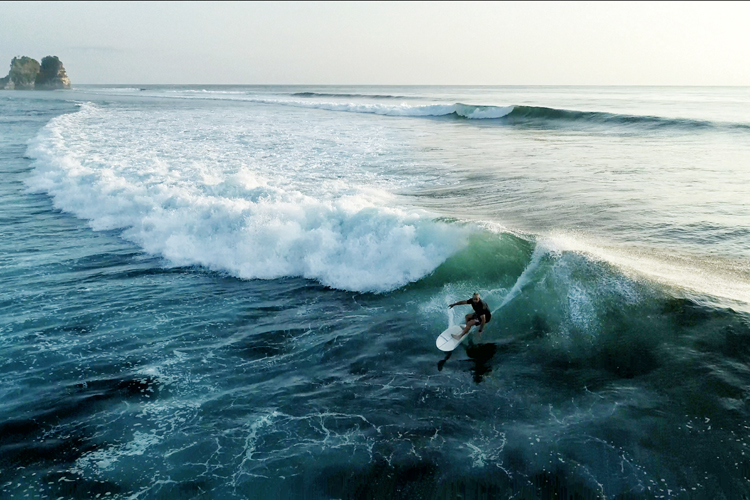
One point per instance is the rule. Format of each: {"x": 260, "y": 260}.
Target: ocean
{"x": 235, "y": 291}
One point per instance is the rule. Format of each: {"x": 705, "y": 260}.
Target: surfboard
{"x": 447, "y": 343}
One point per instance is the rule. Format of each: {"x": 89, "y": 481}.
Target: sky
{"x": 567, "y": 43}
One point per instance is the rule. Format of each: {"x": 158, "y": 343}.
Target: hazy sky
{"x": 386, "y": 43}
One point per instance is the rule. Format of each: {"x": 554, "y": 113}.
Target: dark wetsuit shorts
{"x": 487, "y": 317}
{"x": 481, "y": 308}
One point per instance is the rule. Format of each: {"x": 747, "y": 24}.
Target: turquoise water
{"x": 234, "y": 292}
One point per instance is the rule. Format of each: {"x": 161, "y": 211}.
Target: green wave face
{"x": 489, "y": 260}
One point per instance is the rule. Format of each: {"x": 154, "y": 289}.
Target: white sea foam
{"x": 206, "y": 91}
{"x": 112, "y": 89}
{"x": 240, "y": 194}
{"x": 404, "y": 109}
{"x": 107, "y": 458}
{"x": 467, "y": 111}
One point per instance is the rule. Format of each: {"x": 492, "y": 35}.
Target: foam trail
{"x": 525, "y": 278}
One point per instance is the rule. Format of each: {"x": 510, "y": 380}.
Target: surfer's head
{"x": 476, "y": 297}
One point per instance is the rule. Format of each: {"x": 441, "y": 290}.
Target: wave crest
{"x": 539, "y": 114}
{"x": 456, "y": 110}
{"x": 325, "y": 94}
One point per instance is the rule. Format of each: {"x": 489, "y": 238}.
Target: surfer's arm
{"x": 459, "y": 303}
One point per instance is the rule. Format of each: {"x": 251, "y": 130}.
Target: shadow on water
{"x": 442, "y": 362}
{"x": 481, "y": 356}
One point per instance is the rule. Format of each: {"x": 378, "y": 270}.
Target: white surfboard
{"x": 445, "y": 342}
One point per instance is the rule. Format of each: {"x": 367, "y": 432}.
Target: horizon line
{"x": 413, "y": 85}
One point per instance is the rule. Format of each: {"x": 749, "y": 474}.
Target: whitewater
{"x": 232, "y": 208}
{"x": 234, "y": 291}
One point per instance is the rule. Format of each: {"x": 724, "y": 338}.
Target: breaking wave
{"x": 531, "y": 114}
{"x": 456, "y": 110}
{"x": 324, "y": 94}
{"x": 508, "y": 115}
{"x": 504, "y": 115}
{"x": 230, "y": 218}
{"x": 516, "y": 115}
{"x": 254, "y": 220}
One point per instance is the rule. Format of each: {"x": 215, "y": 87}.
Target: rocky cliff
{"x": 27, "y": 74}
{"x": 52, "y": 75}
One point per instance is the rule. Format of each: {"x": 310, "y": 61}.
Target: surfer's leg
{"x": 468, "y": 326}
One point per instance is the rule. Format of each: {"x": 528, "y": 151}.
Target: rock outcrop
{"x": 51, "y": 75}
{"x": 23, "y": 71}
{"x": 27, "y": 74}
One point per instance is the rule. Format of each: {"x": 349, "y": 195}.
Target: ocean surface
{"x": 235, "y": 291}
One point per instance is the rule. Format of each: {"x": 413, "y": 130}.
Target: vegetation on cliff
{"x": 52, "y": 75}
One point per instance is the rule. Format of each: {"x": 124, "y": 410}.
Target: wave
{"x": 456, "y": 110}
{"x": 369, "y": 96}
{"x": 579, "y": 282}
{"x": 535, "y": 288}
{"x": 509, "y": 115}
{"x": 112, "y": 89}
{"x": 520, "y": 115}
{"x": 517, "y": 115}
{"x": 701, "y": 279}
{"x": 206, "y": 91}
{"x": 537, "y": 114}
{"x": 230, "y": 218}
{"x": 232, "y": 221}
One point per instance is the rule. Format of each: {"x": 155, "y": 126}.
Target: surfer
{"x": 481, "y": 315}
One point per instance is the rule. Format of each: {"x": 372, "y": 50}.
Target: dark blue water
{"x": 203, "y": 299}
